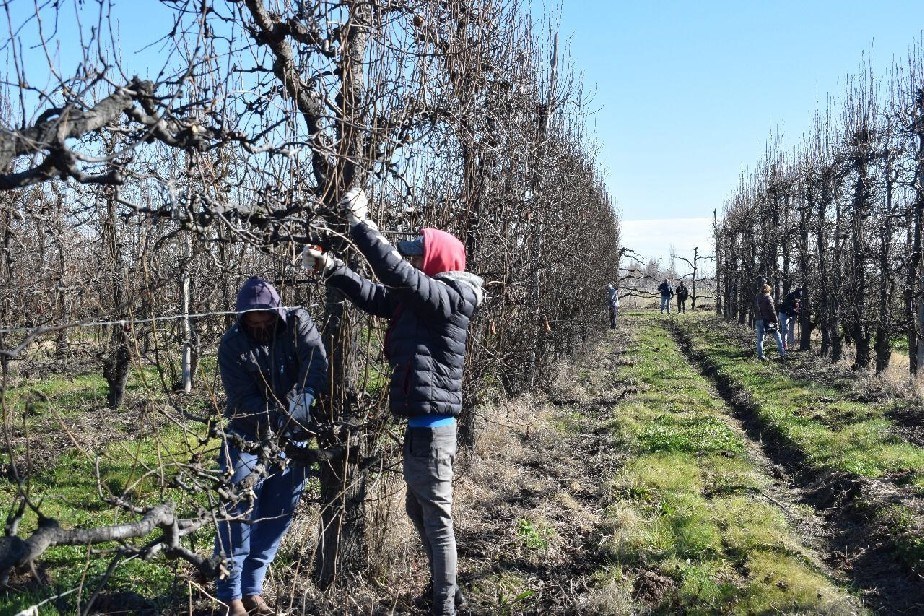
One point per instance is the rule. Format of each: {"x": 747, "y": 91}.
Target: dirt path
{"x": 531, "y": 498}
{"x": 785, "y": 493}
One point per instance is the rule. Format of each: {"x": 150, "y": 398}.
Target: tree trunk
{"x": 805, "y": 214}
{"x": 693, "y": 285}
{"x": 187, "y": 360}
{"x": 859, "y": 329}
{"x": 116, "y": 361}
{"x": 342, "y": 547}
{"x": 882, "y": 339}
{"x": 115, "y": 366}
{"x": 914, "y": 285}
{"x": 919, "y": 355}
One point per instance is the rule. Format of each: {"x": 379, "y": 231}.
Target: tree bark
{"x": 116, "y": 362}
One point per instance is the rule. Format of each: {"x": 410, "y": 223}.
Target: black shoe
{"x": 460, "y": 600}
{"x": 425, "y": 600}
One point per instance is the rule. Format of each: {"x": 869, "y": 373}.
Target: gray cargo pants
{"x": 428, "y": 457}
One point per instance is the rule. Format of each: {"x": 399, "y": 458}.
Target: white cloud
{"x": 653, "y": 239}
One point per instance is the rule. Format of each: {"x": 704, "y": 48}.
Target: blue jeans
{"x": 252, "y": 546}
{"x": 784, "y": 322}
{"x": 428, "y": 457}
{"x": 788, "y": 328}
{"x": 666, "y": 303}
{"x": 761, "y": 332}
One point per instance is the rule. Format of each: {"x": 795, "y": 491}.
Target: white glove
{"x": 300, "y": 407}
{"x": 316, "y": 261}
{"x": 355, "y": 206}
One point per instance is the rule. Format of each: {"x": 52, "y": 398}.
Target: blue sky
{"x": 689, "y": 92}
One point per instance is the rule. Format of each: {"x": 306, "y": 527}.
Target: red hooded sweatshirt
{"x": 443, "y": 252}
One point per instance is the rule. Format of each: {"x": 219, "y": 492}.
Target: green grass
{"x": 834, "y": 432}
{"x": 535, "y": 535}
{"x": 140, "y": 470}
{"x": 512, "y": 593}
{"x": 819, "y": 420}
{"x": 687, "y": 503}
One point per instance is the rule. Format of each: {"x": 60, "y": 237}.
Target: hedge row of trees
{"x": 840, "y": 216}
{"x": 131, "y": 203}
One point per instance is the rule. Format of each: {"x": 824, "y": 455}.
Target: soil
{"x": 89, "y": 431}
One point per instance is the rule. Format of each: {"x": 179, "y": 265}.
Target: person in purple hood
{"x": 272, "y": 364}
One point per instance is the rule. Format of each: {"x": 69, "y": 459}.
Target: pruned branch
{"x": 16, "y": 552}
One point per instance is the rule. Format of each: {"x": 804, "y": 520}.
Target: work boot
{"x": 460, "y": 600}
{"x": 425, "y": 600}
{"x": 256, "y": 606}
{"x": 235, "y": 607}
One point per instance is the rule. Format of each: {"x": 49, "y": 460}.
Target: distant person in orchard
{"x": 612, "y": 292}
{"x": 765, "y": 322}
{"x": 428, "y": 299}
{"x": 682, "y": 294}
{"x": 272, "y": 366}
{"x": 788, "y": 315}
{"x": 667, "y": 294}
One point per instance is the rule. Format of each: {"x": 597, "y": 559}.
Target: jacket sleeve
{"x": 247, "y": 401}
{"x": 765, "y": 309}
{"x": 368, "y": 296}
{"x": 414, "y": 287}
{"x": 312, "y": 357}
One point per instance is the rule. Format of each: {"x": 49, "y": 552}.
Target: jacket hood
{"x": 258, "y": 294}
{"x": 443, "y": 252}
{"x": 468, "y": 279}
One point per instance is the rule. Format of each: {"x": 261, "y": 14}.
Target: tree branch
{"x": 16, "y": 552}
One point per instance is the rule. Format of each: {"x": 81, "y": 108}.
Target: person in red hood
{"x": 428, "y": 299}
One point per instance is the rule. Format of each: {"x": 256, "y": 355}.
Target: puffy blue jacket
{"x": 428, "y": 312}
{"x": 260, "y": 379}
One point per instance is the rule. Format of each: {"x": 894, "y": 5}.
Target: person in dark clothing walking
{"x": 789, "y": 311}
{"x": 667, "y": 293}
{"x": 613, "y": 303}
{"x": 429, "y": 299}
{"x": 682, "y": 294}
{"x": 272, "y": 365}
{"x": 765, "y": 322}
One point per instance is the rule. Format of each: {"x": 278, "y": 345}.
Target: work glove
{"x": 300, "y": 407}
{"x": 317, "y": 261}
{"x": 355, "y": 206}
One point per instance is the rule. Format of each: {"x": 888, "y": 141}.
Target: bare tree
{"x": 232, "y": 152}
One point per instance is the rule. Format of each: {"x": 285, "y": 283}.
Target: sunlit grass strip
{"x": 688, "y": 504}
{"x": 831, "y": 432}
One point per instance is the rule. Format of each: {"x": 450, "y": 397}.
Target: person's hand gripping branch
{"x": 317, "y": 261}
{"x": 300, "y": 412}
{"x": 355, "y": 207}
